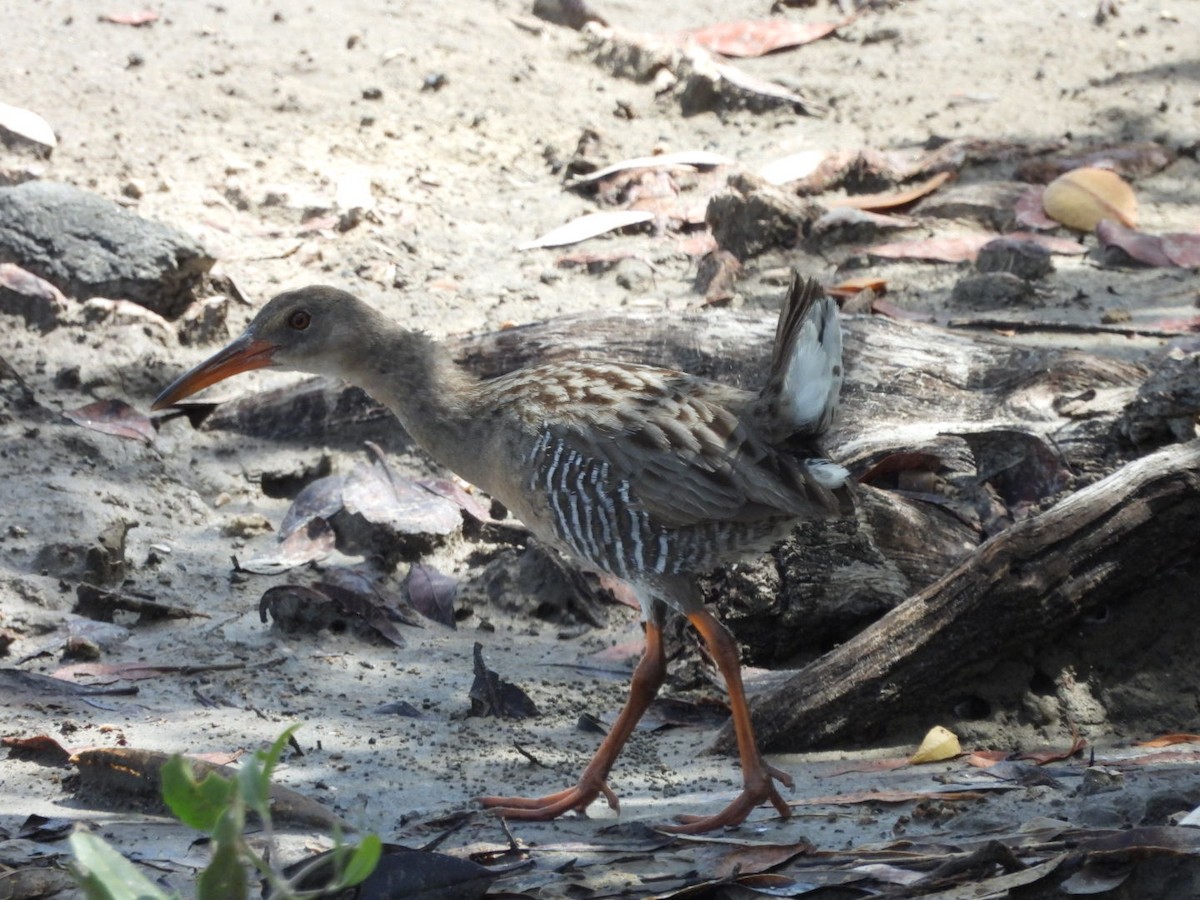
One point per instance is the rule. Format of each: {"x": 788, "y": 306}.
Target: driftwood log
{"x": 963, "y": 543}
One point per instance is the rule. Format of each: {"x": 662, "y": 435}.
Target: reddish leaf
{"x": 454, "y": 493}
{"x": 1144, "y": 248}
{"x": 757, "y": 37}
{"x": 1168, "y": 740}
{"x": 1029, "y": 210}
{"x": 851, "y": 286}
{"x": 985, "y": 759}
{"x": 941, "y": 249}
{"x": 136, "y": 19}
{"x": 115, "y": 417}
{"x": 1041, "y": 757}
{"x": 895, "y": 463}
{"x": 1183, "y": 249}
{"x": 892, "y": 199}
{"x": 39, "y": 748}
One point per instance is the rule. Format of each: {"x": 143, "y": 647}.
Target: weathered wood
{"x": 1096, "y": 547}
{"x": 910, "y": 386}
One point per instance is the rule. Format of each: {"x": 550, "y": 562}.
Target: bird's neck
{"x": 432, "y": 396}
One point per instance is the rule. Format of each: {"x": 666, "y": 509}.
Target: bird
{"x": 650, "y": 475}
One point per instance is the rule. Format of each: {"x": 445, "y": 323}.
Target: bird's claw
{"x": 539, "y": 809}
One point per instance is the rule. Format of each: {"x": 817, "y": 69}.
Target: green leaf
{"x": 363, "y": 862}
{"x": 198, "y": 804}
{"x": 254, "y": 777}
{"x": 225, "y": 877}
{"x": 104, "y": 874}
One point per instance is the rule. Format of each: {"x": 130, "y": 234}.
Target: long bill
{"x": 243, "y": 355}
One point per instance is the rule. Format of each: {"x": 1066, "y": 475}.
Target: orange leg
{"x": 647, "y": 679}
{"x": 758, "y": 778}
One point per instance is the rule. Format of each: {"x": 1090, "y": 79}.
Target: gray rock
{"x": 90, "y": 247}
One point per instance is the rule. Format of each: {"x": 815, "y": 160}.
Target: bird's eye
{"x": 299, "y": 320}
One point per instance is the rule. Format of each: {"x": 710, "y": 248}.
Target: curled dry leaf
{"x": 851, "y": 286}
{"x": 892, "y": 199}
{"x": 115, "y": 417}
{"x": 28, "y": 125}
{"x": 1082, "y": 198}
{"x": 939, "y": 743}
{"x": 589, "y": 226}
{"x": 491, "y": 695}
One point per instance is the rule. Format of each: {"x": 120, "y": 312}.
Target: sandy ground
{"x": 229, "y": 121}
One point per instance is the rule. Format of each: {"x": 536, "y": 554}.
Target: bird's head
{"x": 316, "y": 329}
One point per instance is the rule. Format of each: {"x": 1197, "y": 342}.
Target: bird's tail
{"x": 805, "y": 380}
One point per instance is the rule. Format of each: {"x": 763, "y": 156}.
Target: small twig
{"x": 529, "y": 756}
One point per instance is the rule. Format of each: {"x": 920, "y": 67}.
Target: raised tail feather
{"x": 805, "y": 380}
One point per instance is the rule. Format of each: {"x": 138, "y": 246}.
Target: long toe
{"x": 577, "y": 798}
{"x": 734, "y": 814}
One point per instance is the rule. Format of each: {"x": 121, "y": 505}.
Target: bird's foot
{"x": 759, "y": 786}
{"x": 540, "y": 809}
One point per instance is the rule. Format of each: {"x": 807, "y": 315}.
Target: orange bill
{"x": 242, "y": 355}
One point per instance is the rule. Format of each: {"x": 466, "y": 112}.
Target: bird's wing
{"x": 675, "y": 446}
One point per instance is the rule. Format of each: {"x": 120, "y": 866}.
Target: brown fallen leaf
{"x": 432, "y": 593}
{"x": 892, "y": 199}
{"x": 1082, "y": 198}
{"x": 757, "y": 37}
{"x": 884, "y": 471}
{"x": 1041, "y": 757}
{"x": 1168, "y": 740}
{"x": 851, "y": 286}
{"x": 115, "y": 417}
{"x": 40, "y": 748}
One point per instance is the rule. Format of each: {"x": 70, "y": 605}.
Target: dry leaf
{"x": 1030, "y": 212}
{"x": 793, "y": 167}
{"x": 28, "y": 125}
{"x": 588, "y": 226}
{"x": 134, "y": 19}
{"x": 1168, "y": 740}
{"x": 695, "y": 158}
{"x": 940, "y": 743}
{"x": 114, "y": 417}
{"x": 852, "y": 286}
{"x": 1177, "y": 249}
{"x": 758, "y": 37}
{"x": 892, "y": 199}
{"x": 1082, "y": 198}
